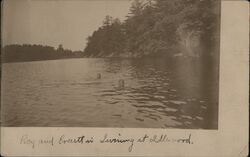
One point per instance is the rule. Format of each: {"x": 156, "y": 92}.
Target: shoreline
{"x": 119, "y": 58}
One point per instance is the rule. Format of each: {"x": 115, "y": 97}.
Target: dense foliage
{"x": 159, "y": 28}
{"x": 152, "y": 28}
{"x": 18, "y": 53}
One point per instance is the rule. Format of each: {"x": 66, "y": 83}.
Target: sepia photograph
{"x": 110, "y": 63}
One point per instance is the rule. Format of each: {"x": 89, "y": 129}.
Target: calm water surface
{"x": 179, "y": 93}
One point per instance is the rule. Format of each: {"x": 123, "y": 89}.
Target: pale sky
{"x": 54, "y": 22}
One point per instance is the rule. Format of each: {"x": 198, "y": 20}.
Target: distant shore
{"x": 28, "y": 52}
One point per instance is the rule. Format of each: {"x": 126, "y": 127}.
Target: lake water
{"x": 158, "y": 93}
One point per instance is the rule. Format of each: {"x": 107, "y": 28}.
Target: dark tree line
{"x": 26, "y": 52}
{"x": 107, "y": 40}
{"x": 152, "y": 28}
{"x": 159, "y": 28}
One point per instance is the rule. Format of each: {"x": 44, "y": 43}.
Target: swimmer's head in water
{"x": 98, "y": 76}
{"x": 121, "y": 83}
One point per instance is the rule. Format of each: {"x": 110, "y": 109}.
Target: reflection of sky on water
{"x": 180, "y": 93}
{"x": 161, "y": 89}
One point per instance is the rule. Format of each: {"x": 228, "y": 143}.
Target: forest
{"x": 152, "y": 28}
{"x": 159, "y": 28}
{"x": 27, "y": 52}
